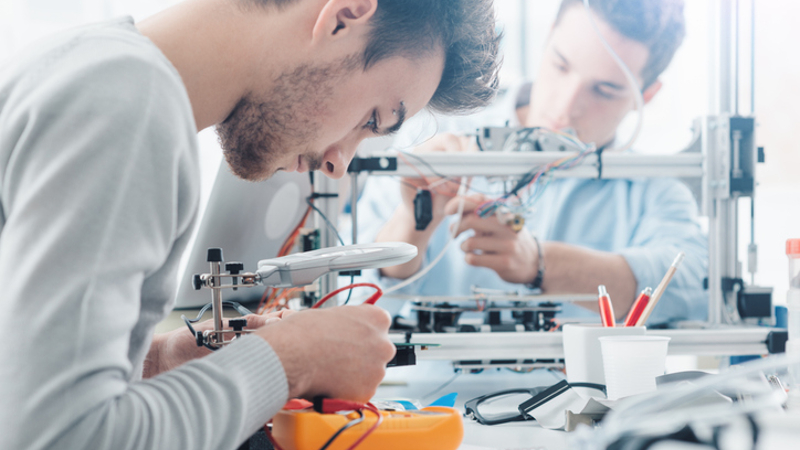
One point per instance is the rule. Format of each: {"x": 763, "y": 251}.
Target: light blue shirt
{"x": 647, "y": 221}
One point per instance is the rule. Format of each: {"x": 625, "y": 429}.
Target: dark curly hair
{"x": 464, "y": 29}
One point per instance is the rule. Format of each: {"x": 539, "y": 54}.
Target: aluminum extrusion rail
{"x": 548, "y": 345}
{"x": 614, "y": 165}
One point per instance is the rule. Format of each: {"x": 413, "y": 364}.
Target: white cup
{"x": 582, "y": 355}
{"x": 632, "y": 363}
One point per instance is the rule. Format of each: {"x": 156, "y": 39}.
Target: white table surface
{"x": 418, "y": 382}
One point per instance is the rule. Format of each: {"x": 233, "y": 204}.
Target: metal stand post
{"x": 329, "y": 205}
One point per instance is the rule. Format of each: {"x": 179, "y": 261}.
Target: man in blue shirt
{"x": 620, "y": 233}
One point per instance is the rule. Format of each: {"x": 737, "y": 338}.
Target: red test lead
{"x": 638, "y": 307}
{"x": 606, "y": 310}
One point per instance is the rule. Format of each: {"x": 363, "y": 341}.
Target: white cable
{"x": 658, "y": 409}
{"x": 462, "y": 190}
{"x": 637, "y": 91}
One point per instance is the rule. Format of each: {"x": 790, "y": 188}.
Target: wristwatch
{"x": 536, "y": 284}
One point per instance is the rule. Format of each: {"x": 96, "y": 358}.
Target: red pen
{"x": 638, "y": 307}
{"x": 606, "y": 310}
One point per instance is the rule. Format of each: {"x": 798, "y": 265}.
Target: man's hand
{"x": 495, "y": 245}
{"x": 338, "y": 352}
{"x": 515, "y": 258}
{"x": 170, "y": 350}
{"x": 402, "y": 226}
{"x": 443, "y": 190}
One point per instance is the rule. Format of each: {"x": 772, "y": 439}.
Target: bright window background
{"x": 667, "y": 120}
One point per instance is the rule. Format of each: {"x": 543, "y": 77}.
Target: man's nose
{"x": 568, "y": 106}
{"x": 337, "y": 157}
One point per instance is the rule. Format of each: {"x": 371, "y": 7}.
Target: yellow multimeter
{"x": 434, "y": 428}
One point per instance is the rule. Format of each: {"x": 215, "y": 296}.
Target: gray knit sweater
{"x": 99, "y": 187}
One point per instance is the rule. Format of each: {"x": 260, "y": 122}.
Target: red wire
{"x": 374, "y": 298}
{"x": 332, "y": 406}
{"x": 371, "y": 407}
{"x": 267, "y": 297}
{"x": 425, "y": 179}
{"x": 408, "y": 163}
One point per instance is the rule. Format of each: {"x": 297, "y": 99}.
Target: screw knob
{"x": 238, "y": 324}
{"x": 214, "y": 255}
{"x": 197, "y": 283}
{"x": 234, "y": 268}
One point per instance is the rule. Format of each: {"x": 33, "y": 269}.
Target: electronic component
{"x": 443, "y": 317}
{"x": 515, "y": 221}
{"x": 309, "y": 240}
{"x": 423, "y": 209}
{"x": 404, "y": 356}
{"x": 517, "y": 139}
{"x": 754, "y": 302}
{"x": 434, "y": 428}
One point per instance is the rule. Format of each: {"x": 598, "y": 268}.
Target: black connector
{"x": 405, "y": 356}
{"x": 423, "y": 209}
{"x": 776, "y": 341}
{"x": 754, "y": 302}
{"x": 318, "y": 403}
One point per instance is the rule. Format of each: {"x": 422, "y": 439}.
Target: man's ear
{"x": 651, "y": 91}
{"x": 340, "y": 17}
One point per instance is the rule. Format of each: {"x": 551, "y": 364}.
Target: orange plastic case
{"x": 434, "y": 428}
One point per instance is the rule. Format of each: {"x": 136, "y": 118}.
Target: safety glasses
{"x": 513, "y": 405}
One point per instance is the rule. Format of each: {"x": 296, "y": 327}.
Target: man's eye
{"x": 607, "y": 95}
{"x": 561, "y": 68}
{"x": 372, "y": 123}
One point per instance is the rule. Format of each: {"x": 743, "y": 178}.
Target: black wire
{"x": 350, "y": 424}
{"x": 478, "y": 142}
{"x": 435, "y": 172}
{"x": 450, "y": 179}
{"x": 325, "y": 218}
{"x": 520, "y": 184}
{"x": 599, "y": 152}
{"x": 440, "y": 175}
{"x": 235, "y": 305}
{"x": 350, "y": 292}
{"x": 338, "y": 236}
{"x": 527, "y": 178}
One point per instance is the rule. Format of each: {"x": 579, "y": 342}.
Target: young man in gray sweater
{"x": 99, "y": 188}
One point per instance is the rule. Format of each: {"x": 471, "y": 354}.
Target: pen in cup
{"x": 606, "y": 310}
{"x": 660, "y": 289}
{"x": 638, "y": 307}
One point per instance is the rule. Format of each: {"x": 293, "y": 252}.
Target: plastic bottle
{"x": 793, "y": 323}
{"x": 793, "y": 296}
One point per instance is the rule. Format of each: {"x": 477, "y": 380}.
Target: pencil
{"x": 660, "y": 289}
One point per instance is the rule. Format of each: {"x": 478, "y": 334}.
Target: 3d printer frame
{"x": 719, "y": 164}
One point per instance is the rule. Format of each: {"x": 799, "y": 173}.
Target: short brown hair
{"x": 464, "y": 29}
{"x": 658, "y": 24}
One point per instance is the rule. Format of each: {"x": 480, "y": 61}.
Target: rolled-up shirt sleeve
{"x": 669, "y": 225}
